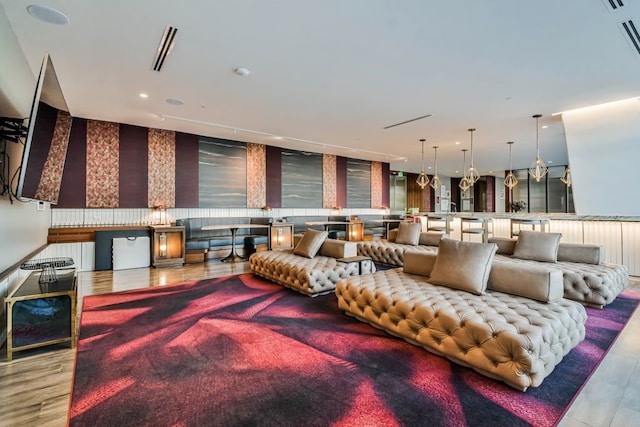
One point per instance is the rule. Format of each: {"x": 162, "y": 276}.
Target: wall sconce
{"x": 162, "y": 244}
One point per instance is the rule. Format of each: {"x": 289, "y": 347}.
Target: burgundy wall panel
{"x": 274, "y": 177}
{"x": 386, "y": 190}
{"x": 341, "y": 181}
{"x": 73, "y": 188}
{"x": 186, "y": 170}
{"x": 491, "y": 193}
{"x": 133, "y": 166}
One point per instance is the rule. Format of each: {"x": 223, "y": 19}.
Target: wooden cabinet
{"x": 167, "y": 245}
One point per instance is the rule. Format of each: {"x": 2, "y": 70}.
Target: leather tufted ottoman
{"x": 390, "y": 253}
{"x": 511, "y": 338}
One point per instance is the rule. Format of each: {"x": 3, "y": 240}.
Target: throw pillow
{"x": 537, "y": 246}
{"x": 463, "y": 265}
{"x": 310, "y": 243}
{"x": 409, "y": 233}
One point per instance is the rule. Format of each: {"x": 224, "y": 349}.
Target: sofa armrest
{"x": 538, "y": 282}
{"x": 430, "y": 238}
{"x": 338, "y": 248}
{"x": 586, "y": 254}
{"x": 419, "y": 263}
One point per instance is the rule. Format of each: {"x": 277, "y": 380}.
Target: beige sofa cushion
{"x": 393, "y": 234}
{"x": 538, "y": 282}
{"x": 310, "y": 243}
{"x": 463, "y": 265}
{"x": 430, "y": 238}
{"x": 537, "y": 246}
{"x": 409, "y": 233}
{"x": 506, "y": 246}
{"x": 338, "y": 248}
{"x": 586, "y": 254}
{"x": 419, "y": 263}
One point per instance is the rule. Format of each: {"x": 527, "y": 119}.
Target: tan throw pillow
{"x": 463, "y": 265}
{"x": 310, "y": 243}
{"x": 391, "y": 237}
{"x": 537, "y": 246}
{"x": 420, "y": 263}
{"x": 430, "y": 238}
{"x": 409, "y": 233}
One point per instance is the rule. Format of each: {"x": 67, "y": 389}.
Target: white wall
{"x": 603, "y": 143}
{"x": 23, "y": 229}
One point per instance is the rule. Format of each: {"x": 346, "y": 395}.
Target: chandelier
{"x": 537, "y": 169}
{"x": 464, "y": 182}
{"x": 510, "y": 180}
{"x": 566, "y": 178}
{"x": 472, "y": 173}
{"x": 435, "y": 181}
{"x": 422, "y": 179}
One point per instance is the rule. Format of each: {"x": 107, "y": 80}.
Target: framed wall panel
{"x": 358, "y": 183}
{"x": 301, "y": 179}
{"x": 222, "y": 171}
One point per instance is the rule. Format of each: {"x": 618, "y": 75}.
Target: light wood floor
{"x": 35, "y": 388}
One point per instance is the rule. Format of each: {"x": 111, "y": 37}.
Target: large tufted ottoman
{"x": 390, "y": 253}
{"x": 311, "y": 276}
{"x": 507, "y": 337}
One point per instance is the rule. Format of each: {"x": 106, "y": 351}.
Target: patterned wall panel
{"x": 162, "y": 166}
{"x": 222, "y": 173}
{"x": 301, "y": 179}
{"x": 256, "y": 175}
{"x": 102, "y": 164}
{"x": 358, "y": 183}
{"x": 49, "y": 186}
{"x": 376, "y": 184}
{"x": 74, "y": 178}
{"x": 329, "y": 195}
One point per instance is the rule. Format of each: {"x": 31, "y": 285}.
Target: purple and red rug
{"x": 242, "y": 351}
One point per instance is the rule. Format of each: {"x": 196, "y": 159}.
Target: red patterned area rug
{"x": 242, "y": 351}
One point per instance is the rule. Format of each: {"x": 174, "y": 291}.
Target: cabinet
{"x": 167, "y": 245}
{"x": 41, "y": 314}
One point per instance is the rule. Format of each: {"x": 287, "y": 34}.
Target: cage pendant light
{"x": 510, "y": 180}
{"x": 537, "y": 169}
{"x": 435, "y": 181}
{"x": 472, "y": 173}
{"x": 464, "y": 182}
{"x": 422, "y": 179}
{"x": 566, "y": 177}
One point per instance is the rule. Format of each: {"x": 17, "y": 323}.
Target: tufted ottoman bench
{"x": 390, "y": 252}
{"x": 310, "y": 276}
{"x": 516, "y": 339}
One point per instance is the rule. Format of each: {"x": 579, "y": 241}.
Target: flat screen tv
{"x": 45, "y": 148}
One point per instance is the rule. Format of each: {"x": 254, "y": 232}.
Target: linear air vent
{"x": 165, "y": 46}
{"x": 630, "y": 30}
{"x": 613, "y": 5}
{"x": 407, "y": 121}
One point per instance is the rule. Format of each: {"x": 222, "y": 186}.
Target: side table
{"x": 365, "y": 264}
{"x": 167, "y": 245}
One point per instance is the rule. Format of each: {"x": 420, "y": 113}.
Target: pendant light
{"x": 472, "y": 173}
{"x": 510, "y": 180}
{"x": 566, "y": 178}
{"x": 435, "y": 181}
{"x": 537, "y": 169}
{"x": 464, "y": 182}
{"x": 422, "y": 179}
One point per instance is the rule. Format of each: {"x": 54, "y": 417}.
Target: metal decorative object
{"x": 537, "y": 169}
{"x": 464, "y": 182}
{"x": 510, "y": 180}
{"x": 48, "y": 267}
{"x": 472, "y": 173}
{"x": 422, "y": 179}
{"x": 435, "y": 181}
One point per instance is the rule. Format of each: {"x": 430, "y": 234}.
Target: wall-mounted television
{"x": 45, "y": 148}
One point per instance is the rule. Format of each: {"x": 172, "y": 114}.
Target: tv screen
{"x": 47, "y": 139}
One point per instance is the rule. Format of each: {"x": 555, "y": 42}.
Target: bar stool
{"x": 479, "y": 226}
{"x": 528, "y": 222}
{"x": 435, "y": 223}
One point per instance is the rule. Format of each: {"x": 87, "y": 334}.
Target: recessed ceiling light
{"x": 550, "y": 161}
{"x": 47, "y": 14}
{"x": 457, "y": 142}
{"x": 174, "y": 101}
{"x": 429, "y": 167}
{"x": 143, "y": 95}
{"x": 544, "y": 127}
{"x": 241, "y": 71}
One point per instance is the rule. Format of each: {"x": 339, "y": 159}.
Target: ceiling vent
{"x": 613, "y": 5}
{"x": 407, "y": 121}
{"x": 165, "y": 46}
{"x": 630, "y": 31}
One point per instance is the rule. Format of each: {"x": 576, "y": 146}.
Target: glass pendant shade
{"x": 472, "y": 173}
{"x": 510, "y": 180}
{"x": 538, "y": 169}
{"x": 566, "y": 178}
{"x": 464, "y": 184}
{"x": 435, "y": 181}
{"x": 422, "y": 179}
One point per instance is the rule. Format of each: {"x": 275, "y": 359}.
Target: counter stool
{"x": 475, "y": 225}
{"x": 435, "y": 223}
{"x": 517, "y": 223}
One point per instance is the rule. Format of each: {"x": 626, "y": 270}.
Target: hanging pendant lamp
{"x": 537, "y": 169}
{"x": 472, "y": 173}
{"x": 464, "y": 182}
{"x": 566, "y": 178}
{"x": 510, "y": 180}
{"x": 422, "y": 179}
{"x": 435, "y": 181}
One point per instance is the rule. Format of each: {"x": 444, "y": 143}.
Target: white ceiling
{"x": 336, "y": 72}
